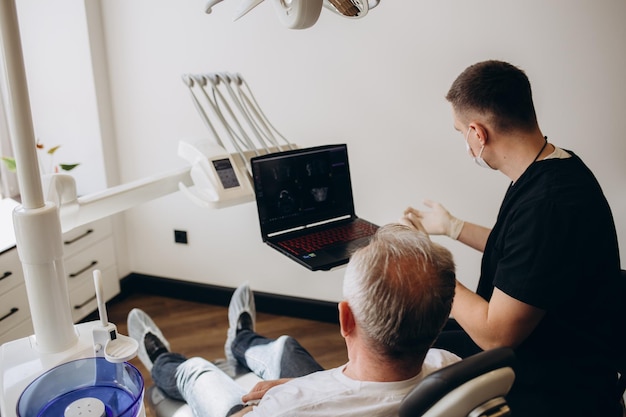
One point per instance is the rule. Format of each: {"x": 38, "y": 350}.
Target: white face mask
{"x": 478, "y": 159}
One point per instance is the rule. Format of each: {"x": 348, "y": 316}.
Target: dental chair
{"x": 475, "y": 385}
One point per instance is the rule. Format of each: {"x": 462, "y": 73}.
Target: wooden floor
{"x": 197, "y": 329}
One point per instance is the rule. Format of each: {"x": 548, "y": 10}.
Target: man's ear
{"x": 481, "y": 131}
{"x": 346, "y": 319}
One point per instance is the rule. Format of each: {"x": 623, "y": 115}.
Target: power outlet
{"x": 180, "y": 236}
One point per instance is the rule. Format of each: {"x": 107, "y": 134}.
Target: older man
{"x": 397, "y": 294}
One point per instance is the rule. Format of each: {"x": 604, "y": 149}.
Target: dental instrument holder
{"x": 233, "y": 117}
{"x": 220, "y": 171}
{"x": 219, "y": 179}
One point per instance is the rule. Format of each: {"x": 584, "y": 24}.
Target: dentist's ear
{"x": 480, "y": 132}
{"x": 346, "y": 319}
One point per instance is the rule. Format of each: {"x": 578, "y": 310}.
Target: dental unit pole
{"x": 41, "y": 258}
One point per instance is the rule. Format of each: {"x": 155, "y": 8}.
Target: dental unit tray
{"x": 219, "y": 173}
{"x": 220, "y": 170}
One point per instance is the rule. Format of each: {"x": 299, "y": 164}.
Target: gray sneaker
{"x": 241, "y": 302}
{"x": 139, "y": 325}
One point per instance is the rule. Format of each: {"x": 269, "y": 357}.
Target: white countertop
{"x": 7, "y": 233}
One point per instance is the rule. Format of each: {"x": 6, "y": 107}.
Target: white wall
{"x": 377, "y": 84}
{"x": 62, "y": 86}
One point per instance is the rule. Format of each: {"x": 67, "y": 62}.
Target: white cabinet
{"x": 85, "y": 249}
{"x": 14, "y": 312}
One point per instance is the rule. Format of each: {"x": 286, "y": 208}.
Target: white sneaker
{"x": 241, "y": 302}
{"x": 140, "y": 324}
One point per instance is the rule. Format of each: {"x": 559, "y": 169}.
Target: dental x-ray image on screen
{"x": 305, "y": 205}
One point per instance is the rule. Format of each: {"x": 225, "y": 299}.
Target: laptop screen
{"x": 303, "y": 186}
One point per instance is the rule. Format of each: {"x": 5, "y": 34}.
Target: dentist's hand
{"x": 437, "y": 221}
{"x": 413, "y": 222}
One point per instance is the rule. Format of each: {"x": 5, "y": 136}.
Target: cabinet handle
{"x": 79, "y": 237}
{"x": 79, "y": 306}
{"x": 77, "y": 273}
{"x": 6, "y": 275}
{"x": 10, "y": 313}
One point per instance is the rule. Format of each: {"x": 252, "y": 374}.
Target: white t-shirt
{"x": 558, "y": 153}
{"x": 332, "y": 393}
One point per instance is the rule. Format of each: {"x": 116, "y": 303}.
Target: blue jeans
{"x": 212, "y": 393}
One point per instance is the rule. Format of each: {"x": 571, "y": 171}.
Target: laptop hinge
{"x": 282, "y": 232}
{"x": 335, "y": 219}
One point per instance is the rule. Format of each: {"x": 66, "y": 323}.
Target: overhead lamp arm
{"x": 302, "y": 14}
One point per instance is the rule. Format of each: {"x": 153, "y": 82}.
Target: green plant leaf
{"x": 10, "y": 163}
{"x": 68, "y": 167}
{"x": 53, "y": 149}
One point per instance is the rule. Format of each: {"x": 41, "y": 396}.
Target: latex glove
{"x": 437, "y": 221}
{"x": 413, "y": 222}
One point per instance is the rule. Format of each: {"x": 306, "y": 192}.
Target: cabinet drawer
{"x": 23, "y": 329}
{"x": 11, "y": 274}
{"x": 79, "y": 268}
{"x": 79, "y": 238}
{"x": 83, "y": 296}
{"x": 13, "y": 308}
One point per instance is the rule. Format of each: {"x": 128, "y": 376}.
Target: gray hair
{"x": 400, "y": 289}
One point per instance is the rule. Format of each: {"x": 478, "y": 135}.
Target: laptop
{"x": 305, "y": 205}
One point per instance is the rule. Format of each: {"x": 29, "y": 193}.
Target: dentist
{"x": 550, "y": 284}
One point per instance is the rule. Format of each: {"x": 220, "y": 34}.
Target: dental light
{"x": 302, "y": 14}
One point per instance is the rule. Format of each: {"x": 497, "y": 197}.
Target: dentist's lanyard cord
{"x": 536, "y": 157}
{"x": 542, "y": 148}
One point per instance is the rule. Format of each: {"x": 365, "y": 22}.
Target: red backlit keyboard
{"x": 327, "y": 237}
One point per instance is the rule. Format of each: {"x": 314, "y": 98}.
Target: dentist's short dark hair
{"x": 497, "y": 90}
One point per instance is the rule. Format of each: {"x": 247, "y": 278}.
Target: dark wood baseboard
{"x": 305, "y": 308}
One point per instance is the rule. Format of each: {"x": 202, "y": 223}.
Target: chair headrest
{"x": 438, "y": 384}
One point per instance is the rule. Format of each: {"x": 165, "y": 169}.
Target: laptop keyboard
{"x": 327, "y": 237}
